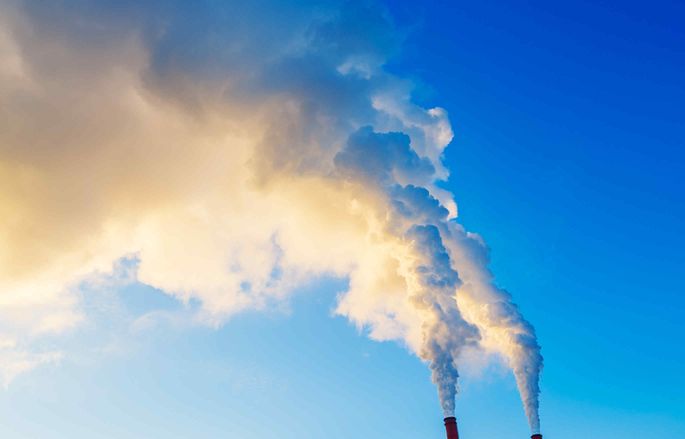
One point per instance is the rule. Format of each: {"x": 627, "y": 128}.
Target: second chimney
{"x": 451, "y": 427}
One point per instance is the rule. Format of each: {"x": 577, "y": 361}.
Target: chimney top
{"x": 451, "y": 427}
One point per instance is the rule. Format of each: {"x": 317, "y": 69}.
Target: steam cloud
{"x": 237, "y": 152}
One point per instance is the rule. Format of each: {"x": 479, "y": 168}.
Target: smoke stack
{"x": 451, "y": 427}
{"x": 536, "y": 436}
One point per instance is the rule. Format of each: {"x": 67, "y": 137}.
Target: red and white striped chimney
{"x": 451, "y": 428}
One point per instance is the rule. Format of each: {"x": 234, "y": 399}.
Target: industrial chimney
{"x": 536, "y": 436}
{"x": 451, "y": 427}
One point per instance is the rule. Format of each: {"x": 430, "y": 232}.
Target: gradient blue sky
{"x": 568, "y": 159}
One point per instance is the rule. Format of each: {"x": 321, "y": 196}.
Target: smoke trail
{"x": 415, "y": 218}
{"x": 434, "y": 284}
{"x": 238, "y": 156}
{"x": 502, "y": 327}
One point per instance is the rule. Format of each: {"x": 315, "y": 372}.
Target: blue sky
{"x": 568, "y": 160}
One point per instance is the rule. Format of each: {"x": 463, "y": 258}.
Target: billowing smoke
{"x": 430, "y": 279}
{"x": 237, "y": 150}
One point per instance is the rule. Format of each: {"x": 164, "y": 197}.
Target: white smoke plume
{"x": 237, "y": 149}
